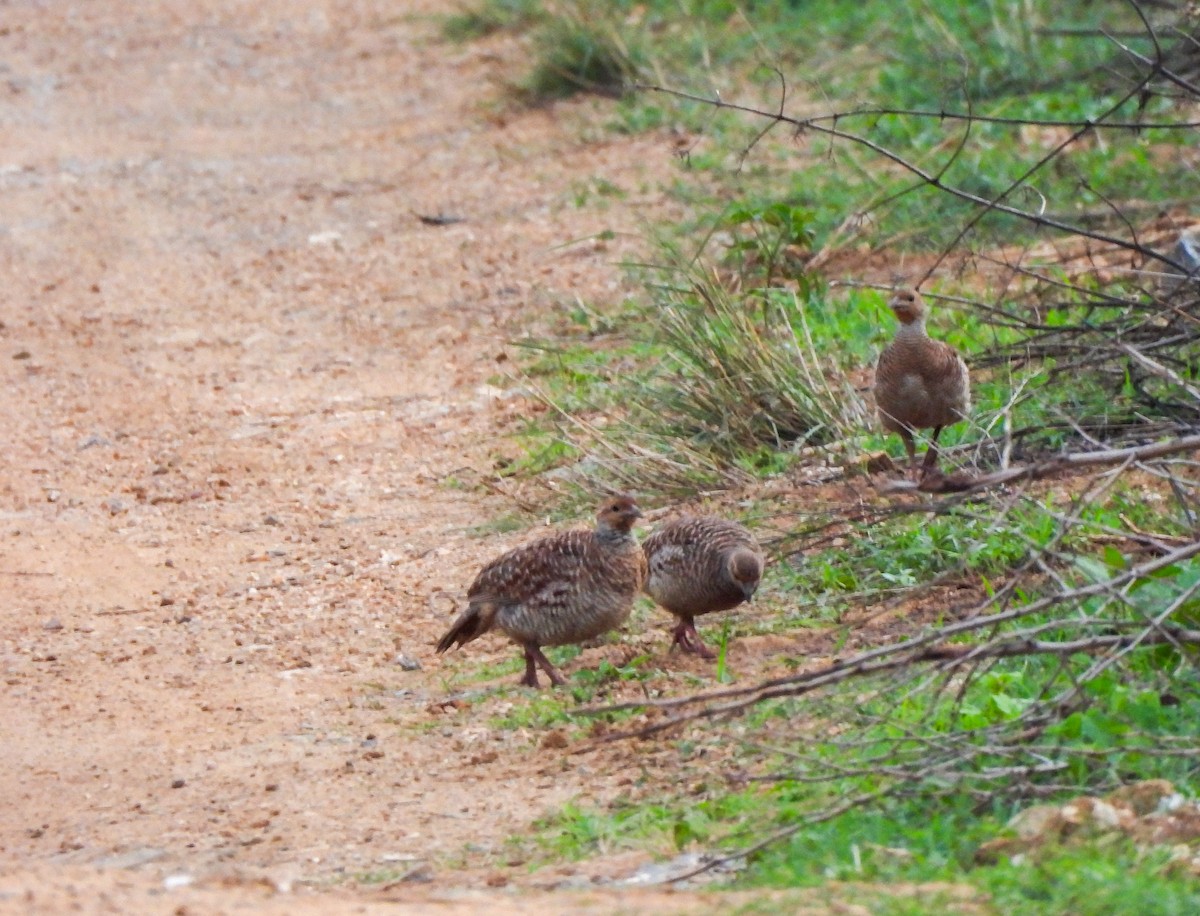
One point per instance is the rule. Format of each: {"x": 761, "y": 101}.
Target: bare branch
{"x": 1059, "y": 464}
{"x": 816, "y": 125}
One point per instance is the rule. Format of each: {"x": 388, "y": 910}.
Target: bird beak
{"x": 748, "y": 591}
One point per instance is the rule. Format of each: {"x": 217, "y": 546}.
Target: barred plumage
{"x": 920, "y": 383}
{"x": 566, "y": 588}
{"x": 698, "y": 565}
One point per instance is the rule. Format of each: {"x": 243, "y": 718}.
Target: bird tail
{"x": 476, "y": 620}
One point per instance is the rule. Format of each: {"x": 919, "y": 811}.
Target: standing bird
{"x": 566, "y": 588}
{"x": 920, "y": 383}
{"x": 699, "y": 564}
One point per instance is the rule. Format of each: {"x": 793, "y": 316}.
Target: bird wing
{"x": 532, "y": 570}
{"x": 694, "y": 539}
{"x": 915, "y": 376}
{"x": 946, "y": 377}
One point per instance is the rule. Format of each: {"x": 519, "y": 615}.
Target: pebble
{"x": 407, "y": 662}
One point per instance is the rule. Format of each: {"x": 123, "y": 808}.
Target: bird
{"x": 920, "y": 383}
{"x": 698, "y": 564}
{"x": 565, "y": 588}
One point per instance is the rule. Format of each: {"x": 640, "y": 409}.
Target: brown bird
{"x": 699, "y": 564}
{"x": 562, "y": 589}
{"x": 920, "y": 383}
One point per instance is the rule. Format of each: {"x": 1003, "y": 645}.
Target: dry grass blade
{"x": 739, "y": 373}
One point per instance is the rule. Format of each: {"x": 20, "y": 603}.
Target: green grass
{"x": 1012, "y": 59}
{"x": 1100, "y": 877}
{"x": 732, "y": 360}
{"x": 891, "y": 843}
{"x": 486, "y": 17}
{"x": 1138, "y": 719}
{"x": 582, "y": 50}
{"x": 586, "y": 685}
{"x": 741, "y": 362}
{"x": 894, "y": 847}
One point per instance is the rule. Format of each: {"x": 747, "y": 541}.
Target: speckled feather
{"x": 688, "y": 564}
{"x": 562, "y": 589}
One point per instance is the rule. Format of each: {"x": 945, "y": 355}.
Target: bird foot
{"x": 534, "y": 659}
{"x": 689, "y": 641}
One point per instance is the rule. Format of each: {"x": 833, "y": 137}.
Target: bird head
{"x": 745, "y": 568}
{"x": 907, "y": 305}
{"x": 618, "y": 513}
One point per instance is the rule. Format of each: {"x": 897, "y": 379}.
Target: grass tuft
{"x": 490, "y": 16}
{"x": 581, "y": 51}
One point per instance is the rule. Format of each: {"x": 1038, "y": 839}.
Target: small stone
{"x": 407, "y": 662}
{"x": 272, "y": 520}
{"x": 178, "y": 784}
{"x": 52, "y": 624}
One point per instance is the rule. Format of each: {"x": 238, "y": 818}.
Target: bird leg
{"x": 931, "y": 454}
{"x": 910, "y": 448}
{"x": 689, "y": 640}
{"x": 534, "y": 659}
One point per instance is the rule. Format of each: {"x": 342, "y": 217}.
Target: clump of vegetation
{"x": 582, "y": 52}
{"x": 490, "y": 16}
{"x": 1048, "y": 634}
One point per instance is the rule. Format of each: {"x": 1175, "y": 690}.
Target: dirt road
{"x": 248, "y": 395}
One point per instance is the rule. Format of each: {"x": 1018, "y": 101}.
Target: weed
{"x": 739, "y": 358}
{"x": 580, "y": 50}
{"x": 488, "y": 16}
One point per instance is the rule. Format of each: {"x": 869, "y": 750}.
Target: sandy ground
{"x": 241, "y": 380}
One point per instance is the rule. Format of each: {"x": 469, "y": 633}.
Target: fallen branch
{"x": 817, "y": 124}
{"x": 923, "y": 647}
{"x": 838, "y": 671}
{"x": 962, "y": 483}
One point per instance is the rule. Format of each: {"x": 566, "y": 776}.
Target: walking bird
{"x": 566, "y": 588}
{"x": 920, "y": 383}
{"x": 698, "y": 565}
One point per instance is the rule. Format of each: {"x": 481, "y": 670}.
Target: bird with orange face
{"x": 920, "y": 383}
